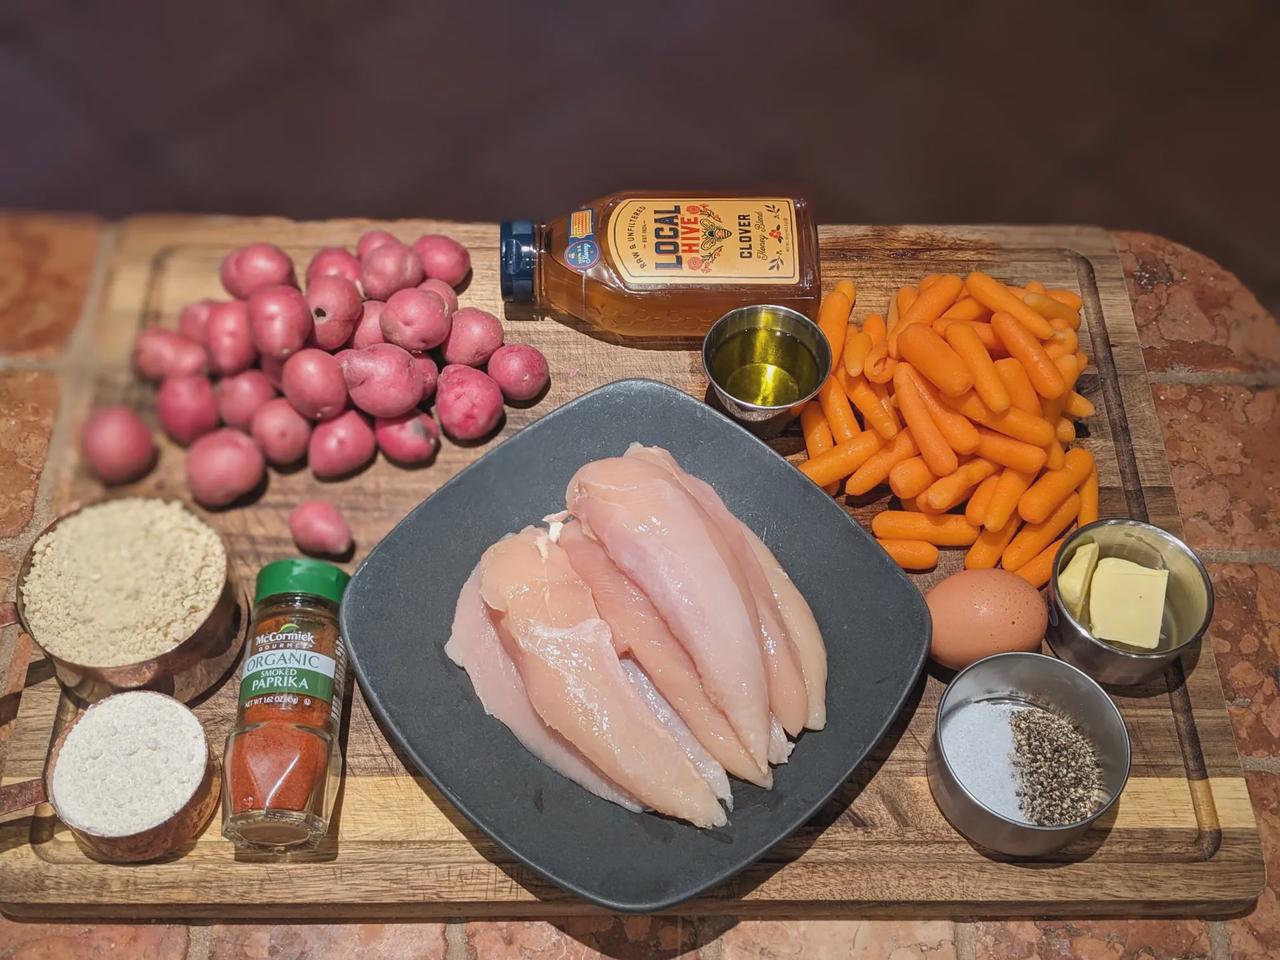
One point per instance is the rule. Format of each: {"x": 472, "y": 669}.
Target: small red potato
{"x": 312, "y": 380}
{"x": 223, "y": 466}
{"x": 412, "y": 437}
{"x": 443, "y": 258}
{"x": 319, "y": 527}
{"x": 229, "y": 338}
{"x": 117, "y": 445}
{"x": 240, "y": 396}
{"x": 372, "y": 239}
{"x": 256, "y": 266}
{"x": 333, "y": 262}
{"x": 194, "y": 318}
{"x": 369, "y": 326}
{"x": 342, "y": 445}
{"x": 520, "y": 370}
{"x": 473, "y": 336}
{"x": 335, "y": 309}
{"x": 387, "y": 268}
{"x": 279, "y": 320}
{"x": 160, "y": 352}
{"x": 468, "y": 402}
{"x": 382, "y": 380}
{"x": 447, "y": 293}
{"x": 273, "y": 367}
{"x": 429, "y": 373}
{"x": 187, "y": 407}
{"x": 281, "y": 431}
{"x": 415, "y": 319}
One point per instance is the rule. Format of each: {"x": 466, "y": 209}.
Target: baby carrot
{"x": 983, "y": 330}
{"x": 874, "y": 414}
{"x": 879, "y": 366}
{"x": 842, "y": 459}
{"x": 967, "y": 308}
{"x": 856, "y": 347}
{"x": 1051, "y": 410}
{"x": 1072, "y": 300}
{"x": 960, "y": 434}
{"x": 1066, "y": 430}
{"x": 942, "y": 530}
{"x": 835, "y": 407}
{"x": 946, "y": 492}
{"x": 1078, "y": 406}
{"x": 817, "y": 435}
{"x": 1026, "y": 348}
{"x": 937, "y": 453}
{"x": 833, "y": 318}
{"x": 911, "y": 554}
{"x": 1051, "y": 310}
{"x": 876, "y": 470}
{"x": 1021, "y": 393}
{"x": 930, "y": 304}
{"x": 848, "y": 288}
{"x": 1045, "y": 495}
{"x": 1082, "y": 358}
{"x": 982, "y": 369}
{"x": 1089, "y": 498}
{"x": 1012, "y": 423}
{"x": 910, "y": 478}
{"x": 1037, "y": 570}
{"x": 1062, "y": 342}
{"x": 1055, "y": 459}
{"x": 1034, "y": 537}
{"x": 1035, "y": 286}
{"x": 1008, "y": 452}
{"x": 906, "y": 297}
{"x": 929, "y": 354}
{"x": 873, "y": 327}
{"x": 996, "y": 296}
{"x": 927, "y": 281}
{"x": 902, "y": 302}
{"x": 1004, "y": 499}
{"x": 986, "y": 550}
{"x": 975, "y": 511}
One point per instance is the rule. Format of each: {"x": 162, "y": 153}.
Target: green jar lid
{"x": 301, "y": 575}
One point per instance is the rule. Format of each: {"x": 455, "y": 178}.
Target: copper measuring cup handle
{"x": 24, "y": 794}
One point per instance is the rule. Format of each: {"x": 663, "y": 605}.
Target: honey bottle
{"x": 641, "y": 264}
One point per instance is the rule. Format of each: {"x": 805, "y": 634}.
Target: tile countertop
{"x": 1213, "y": 355}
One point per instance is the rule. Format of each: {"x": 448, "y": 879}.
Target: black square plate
{"x": 399, "y": 608}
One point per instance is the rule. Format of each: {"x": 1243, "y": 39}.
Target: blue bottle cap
{"x": 517, "y": 255}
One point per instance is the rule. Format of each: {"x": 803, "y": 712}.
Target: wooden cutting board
{"x": 1182, "y": 839}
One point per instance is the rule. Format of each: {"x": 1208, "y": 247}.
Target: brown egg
{"x": 980, "y": 612}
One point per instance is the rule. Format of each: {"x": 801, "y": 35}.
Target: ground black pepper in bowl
{"x": 1057, "y": 769}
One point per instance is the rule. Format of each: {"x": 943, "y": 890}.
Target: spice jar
{"x": 282, "y": 760}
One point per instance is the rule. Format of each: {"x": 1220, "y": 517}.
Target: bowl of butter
{"x": 1125, "y": 599}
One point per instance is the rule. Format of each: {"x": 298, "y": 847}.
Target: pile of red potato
{"x": 355, "y": 358}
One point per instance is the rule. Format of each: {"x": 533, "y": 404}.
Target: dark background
{"x": 1158, "y": 116}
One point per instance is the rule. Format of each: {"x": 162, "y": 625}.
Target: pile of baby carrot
{"x": 961, "y": 397}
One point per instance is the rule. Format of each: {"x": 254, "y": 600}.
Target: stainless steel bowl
{"x": 1036, "y": 680}
{"x": 1188, "y": 602}
{"x": 761, "y": 419}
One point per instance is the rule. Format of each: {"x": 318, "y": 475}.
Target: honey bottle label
{"x": 657, "y": 241}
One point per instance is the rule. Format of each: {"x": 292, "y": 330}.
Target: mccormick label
{"x": 683, "y": 240}
{"x": 582, "y": 252}
{"x": 285, "y": 670}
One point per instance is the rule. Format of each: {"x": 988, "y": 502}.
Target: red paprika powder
{"x": 281, "y": 764}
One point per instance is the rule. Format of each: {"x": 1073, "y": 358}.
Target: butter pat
{"x": 1126, "y": 602}
{"x": 1073, "y": 581}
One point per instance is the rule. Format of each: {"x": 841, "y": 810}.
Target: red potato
{"x": 281, "y": 431}
{"x": 160, "y": 353}
{"x": 369, "y": 326}
{"x": 335, "y": 309}
{"x": 223, "y": 466}
{"x": 340, "y": 446}
{"x": 312, "y": 380}
{"x": 187, "y": 407}
{"x": 240, "y": 396}
{"x": 372, "y": 239}
{"x": 468, "y": 402}
{"x": 387, "y": 268}
{"x": 473, "y": 336}
{"x": 319, "y": 527}
{"x": 117, "y": 445}
{"x": 415, "y": 319}
{"x": 229, "y": 338}
{"x": 256, "y": 266}
{"x": 333, "y": 262}
{"x": 429, "y": 373}
{"x": 412, "y": 437}
{"x": 382, "y": 380}
{"x": 279, "y": 321}
{"x": 194, "y": 319}
{"x": 447, "y": 293}
{"x": 443, "y": 258}
{"x": 520, "y": 370}
{"x": 273, "y": 367}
